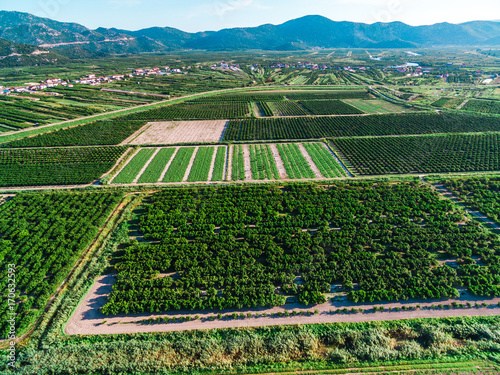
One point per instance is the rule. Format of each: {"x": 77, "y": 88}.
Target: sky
{"x": 204, "y": 15}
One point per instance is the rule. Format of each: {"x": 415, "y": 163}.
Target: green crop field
{"x": 193, "y": 111}
{"x": 97, "y": 133}
{"x": 56, "y": 166}
{"x": 43, "y": 235}
{"x": 287, "y": 108}
{"x": 238, "y": 163}
{"x": 262, "y": 162}
{"x": 482, "y": 106}
{"x": 129, "y": 173}
{"x": 201, "y": 165}
{"x": 152, "y": 173}
{"x": 330, "y": 107}
{"x": 324, "y": 160}
{"x": 295, "y": 163}
{"x": 178, "y": 168}
{"x": 427, "y": 154}
{"x": 220, "y": 164}
{"x": 350, "y": 126}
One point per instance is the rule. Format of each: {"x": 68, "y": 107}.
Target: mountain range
{"x": 302, "y": 33}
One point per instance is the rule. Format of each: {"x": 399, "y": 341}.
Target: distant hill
{"x": 17, "y": 54}
{"x": 302, "y": 33}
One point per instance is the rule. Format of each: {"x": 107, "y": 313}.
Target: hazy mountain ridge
{"x": 301, "y": 33}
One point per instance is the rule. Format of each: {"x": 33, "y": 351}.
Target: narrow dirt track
{"x": 88, "y": 320}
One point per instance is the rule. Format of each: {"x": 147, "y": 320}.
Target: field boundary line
{"x": 141, "y": 172}
{"x": 125, "y": 154}
{"x": 212, "y": 164}
{"x": 310, "y": 161}
{"x": 332, "y": 151}
{"x": 124, "y": 165}
{"x": 190, "y": 164}
{"x": 167, "y": 166}
{"x": 247, "y": 162}
{"x": 136, "y": 134}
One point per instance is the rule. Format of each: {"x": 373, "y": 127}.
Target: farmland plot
{"x": 173, "y": 132}
{"x": 154, "y": 170}
{"x": 263, "y": 164}
{"x": 130, "y": 171}
{"x": 179, "y": 166}
{"x": 295, "y": 163}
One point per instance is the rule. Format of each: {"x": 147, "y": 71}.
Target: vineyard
{"x": 351, "y": 126}
{"x": 427, "y": 154}
{"x": 193, "y": 111}
{"x": 238, "y": 169}
{"x": 330, "y": 107}
{"x": 58, "y": 166}
{"x": 328, "y": 95}
{"x": 44, "y": 234}
{"x": 96, "y": 133}
{"x": 379, "y": 241}
{"x": 483, "y": 106}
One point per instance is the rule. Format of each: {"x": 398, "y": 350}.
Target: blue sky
{"x": 202, "y": 15}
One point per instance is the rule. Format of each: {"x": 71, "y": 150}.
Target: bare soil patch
{"x": 171, "y": 132}
{"x": 248, "y": 163}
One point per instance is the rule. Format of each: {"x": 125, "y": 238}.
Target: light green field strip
{"x": 128, "y": 174}
{"x": 201, "y": 165}
{"x": 220, "y": 164}
{"x": 178, "y": 168}
{"x": 295, "y": 163}
{"x": 238, "y": 172}
{"x": 154, "y": 170}
{"x": 262, "y": 162}
{"x": 324, "y": 160}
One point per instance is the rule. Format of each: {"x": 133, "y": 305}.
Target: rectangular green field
{"x": 262, "y": 163}
{"x": 220, "y": 164}
{"x": 324, "y": 160}
{"x": 201, "y": 165}
{"x": 330, "y": 107}
{"x": 295, "y": 163}
{"x": 154, "y": 170}
{"x": 128, "y": 174}
{"x": 238, "y": 170}
{"x": 179, "y": 165}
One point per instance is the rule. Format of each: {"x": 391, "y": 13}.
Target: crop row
{"x": 262, "y": 163}
{"x": 322, "y": 95}
{"x": 179, "y": 166}
{"x": 238, "y": 170}
{"x": 44, "y": 167}
{"x": 431, "y": 154}
{"x": 220, "y": 164}
{"x": 96, "y": 133}
{"x": 295, "y": 163}
{"x": 324, "y": 160}
{"x": 187, "y": 111}
{"x": 201, "y": 164}
{"x": 43, "y": 235}
{"x": 287, "y": 108}
{"x": 350, "y": 126}
{"x": 330, "y": 107}
{"x": 483, "y": 106}
{"x": 128, "y": 174}
{"x": 152, "y": 173}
